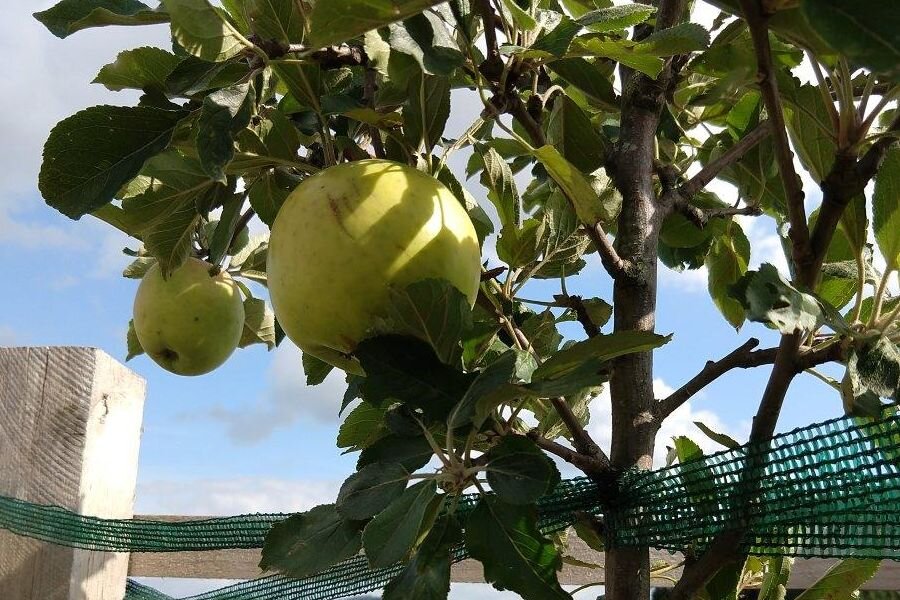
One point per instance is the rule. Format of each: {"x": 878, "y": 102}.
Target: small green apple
{"x": 190, "y": 323}
{"x": 347, "y": 235}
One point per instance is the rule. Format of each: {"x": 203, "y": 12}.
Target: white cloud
{"x": 286, "y": 400}
{"x": 680, "y": 422}
{"x": 240, "y": 495}
{"x": 52, "y": 78}
{"x": 689, "y": 280}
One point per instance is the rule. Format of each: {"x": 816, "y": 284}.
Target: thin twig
{"x": 576, "y": 304}
{"x": 701, "y": 216}
{"x": 615, "y": 265}
{"x": 585, "y": 463}
{"x": 581, "y": 439}
{"x": 768, "y": 84}
{"x": 744, "y": 357}
{"x": 728, "y": 158}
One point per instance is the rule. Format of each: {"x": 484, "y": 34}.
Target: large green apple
{"x": 190, "y": 323}
{"x": 348, "y": 234}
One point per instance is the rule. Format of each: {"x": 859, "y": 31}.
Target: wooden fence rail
{"x": 70, "y": 426}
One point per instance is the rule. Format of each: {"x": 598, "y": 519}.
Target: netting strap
{"x": 830, "y": 490}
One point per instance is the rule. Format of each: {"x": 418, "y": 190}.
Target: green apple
{"x": 347, "y": 235}
{"x": 190, "y": 323}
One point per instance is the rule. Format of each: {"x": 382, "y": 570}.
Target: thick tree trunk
{"x": 633, "y": 424}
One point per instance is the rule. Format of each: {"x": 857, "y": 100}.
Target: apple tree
{"x": 617, "y": 117}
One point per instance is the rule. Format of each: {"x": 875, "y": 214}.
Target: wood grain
{"x": 70, "y": 422}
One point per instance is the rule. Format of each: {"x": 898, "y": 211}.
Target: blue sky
{"x": 251, "y": 436}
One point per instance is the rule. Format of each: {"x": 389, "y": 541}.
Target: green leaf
{"x": 280, "y": 20}
{"x": 132, "y": 342}
{"x": 497, "y": 177}
{"x": 522, "y": 20}
{"x": 520, "y": 246}
{"x": 557, "y": 41}
{"x": 595, "y": 351}
{"x": 620, "y": 51}
{"x": 139, "y": 267}
{"x": 551, "y": 425}
{"x": 875, "y": 366}
{"x": 425, "y": 38}
{"x": 92, "y": 154}
{"x": 680, "y": 39}
{"x": 574, "y": 184}
{"x": 615, "y": 18}
{"x": 259, "y": 324}
{"x": 812, "y": 133}
{"x": 586, "y": 529}
{"x": 309, "y": 542}
{"x": 203, "y": 30}
{"x": 223, "y": 115}
{"x": 336, "y": 21}
{"x": 362, "y": 427}
{"x": 515, "y": 555}
{"x": 144, "y": 68}
{"x": 768, "y": 298}
{"x": 886, "y": 208}
{"x": 726, "y": 263}
{"x": 316, "y": 370}
{"x": 427, "y": 576}
{"x": 570, "y": 131}
{"x": 193, "y": 76}
{"x": 370, "y": 490}
{"x": 488, "y": 389}
{"x": 866, "y": 32}
{"x": 407, "y": 369}
{"x": 721, "y": 438}
{"x": 163, "y": 202}
{"x": 411, "y": 452}
{"x": 588, "y": 78}
{"x": 541, "y": 331}
{"x": 223, "y": 230}
{"x": 69, "y": 16}
{"x": 268, "y": 193}
{"x": 432, "y": 310}
{"x": 170, "y": 240}
{"x": 519, "y": 472}
{"x": 563, "y": 243}
{"x": 426, "y": 111}
{"x": 842, "y": 580}
{"x": 390, "y": 536}
{"x": 686, "y": 449}
{"x": 774, "y": 584}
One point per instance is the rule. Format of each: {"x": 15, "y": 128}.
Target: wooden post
{"x": 70, "y": 426}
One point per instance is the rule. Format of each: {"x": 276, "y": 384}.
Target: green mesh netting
{"x": 827, "y": 490}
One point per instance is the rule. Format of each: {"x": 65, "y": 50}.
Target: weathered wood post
{"x": 70, "y": 427}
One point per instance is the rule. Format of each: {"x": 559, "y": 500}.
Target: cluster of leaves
{"x": 255, "y": 95}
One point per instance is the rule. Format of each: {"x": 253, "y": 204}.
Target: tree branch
{"x": 768, "y": 84}
{"x": 701, "y": 216}
{"x": 576, "y": 304}
{"x": 581, "y": 439}
{"x": 728, "y": 158}
{"x": 846, "y": 180}
{"x": 585, "y": 463}
{"x": 744, "y": 357}
{"x": 615, "y": 265}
